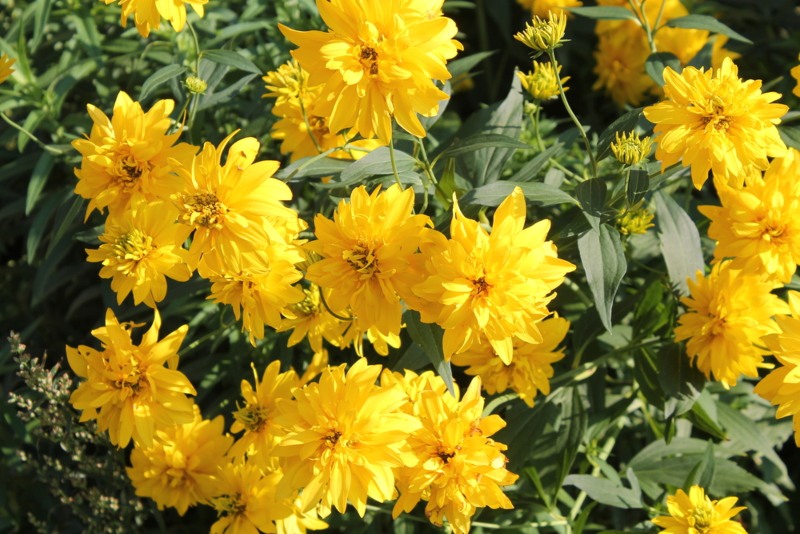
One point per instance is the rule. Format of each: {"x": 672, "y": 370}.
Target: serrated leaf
{"x": 158, "y": 78}
{"x": 429, "y": 338}
{"x": 679, "y": 241}
{"x": 604, "y": 13}
{"x": 494, "y": 193}
{"x": 604, "y": 262}
{"x": 657, "y": 62}
{"x": 626, "y": 123}
{"x": 638, "y": 186}
{"x": 604, "y": 491}
{"x": 231, "y": 58}
{"x": 704, "y": 22}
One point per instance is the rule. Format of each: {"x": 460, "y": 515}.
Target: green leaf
{"x": 657, "y": 62}
{"x": 638, "y": 186}
{"x": 158, "y": 78}
{"x": 429, "y": 338}
{"x": 702, "y": 474}
{"x": 482, "y": 140}
{"x": 679, "y": 241}
{"x": 531, "y": 169}
{"x": 604, "y": 13}
{"x": 210, "y": 99}
{"x": 591, "y": 195}
{"x": 604, "y": 262}
{"x": 41, "y": 14}
{"x": 790, "y": 135}
{"x": 704, "y": 22}
{"x": 704, "y": 416}
{"x": 313, "y": 166}
{"x": 678, "y": 379}
{"x": 605, "y": 491}
{"x": 494, "y": 193}
{"x": 626, "y": 123}
{"x": 465, "y": 64}
{"x": 645, "y": 372}
{"x": 376, "y": 163}
{"x": 38, "y": 180}
{"x": 230, "y": 58}
{"x": 742, "y": 430}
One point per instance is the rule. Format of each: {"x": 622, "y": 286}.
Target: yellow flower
{"x": 309, "y": 319}
{"x": 795, "y": 72}
{"x": 129, "y": 155}
{"x": 635, "y": 221}
{"x": 713, "y": 121}
{"x": 543, "y": 34}
{"x": 129, "y": 385}
{"x": 459, "y": 467}
{"x": 5, "y": 67}
{"x": 260, "y": 288}
{"x": 530, "y": 369}
{"x": 630, "y": 149}
{"x": 541, "y": 8}
{"x": 727, "y": 314}
{"x": 495, "y": 285}
{"x": 365, "y": 251}
{"x": 141, "y": 247}
{"x": 542, "y": 82}
{"x": 246, "y": 501}
{"x": 781, "y": 387}
{"x": 147, "y": 14}
{"x": 758, "y": 225}
{"x": 235, "y": 207}
{"x": 180, "y": 469}
{"x": 345, "y": 436}
{"x": 257, "y": 416}
{"x": 697, "y": 514}
{"x": 620, "y": 57}
{"x": 377, "y": 62}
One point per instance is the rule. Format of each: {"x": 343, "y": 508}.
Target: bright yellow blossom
{"x": 542, "y": 82}
{"x": 246, "y": 501}
{"x": 129, "y": 155}
{"x": 236, "y": 207}
{"x": 695, "y": 513}
{"x": 630, "y": 149}
{"x": 498, "y": 286}
{"x": 344, "y": 438}
{"x": 180, "y": 469}
{"x": 636, "y": 220}
{"x": 545, "y": 33}
{"x": 309, "y": 319}
{"x": 140, "y": 248}
{"x": 459, "y": 467}
{"x": 5, "y": 67}
{"x": 257, "y": 416}
{"x": 365, "y": 251}
{"x": 260, "y": 288}
{"x": 727, "y": 313}
{"x": 377, "y": 62}
{"x": 531, "y": 367}
{"x": 713, "y": 121}
{"x": 795, "y": 72}
{"x": 758, "y": 225}
{"x": 126, "y": 387}
{"x": 620, "y": 57}
{"x": 541, "y": 8}
{"x": 147, "y": 14}
{"x": 781, "y": 387}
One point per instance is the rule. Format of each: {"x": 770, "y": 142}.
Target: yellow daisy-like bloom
{"x": 542, "y": 83}
{"x": 781, "y": 387}
{"x": 141, "y": 248}
{"x": 713, "y": 121}
{"x": 246, "y": 501}
{"x": 758, "y": 225}
{"x": 727, "y": 314}
{"x": 236, "y": 207}
{"x": 180, "y": 469}
{"x": 795, "y": 72}
{"x": 630, "y": 149}
{"x": 543, "y": 33}
{"x": 459, "y": 468}
{"x": 5, "y": 67}
{"x": 129, "y": 385}
{"x": 299, "y": 522}
{"x": 365, "y": 251}
{"x": 697, "y": 514}
{"x": 257, "y": 416}
{"x": 345, "y": 436}
{"x": 129, "y": 155}
{"x": 260, "y": 288}
{"x": 530, "y": 369}
{"x": 377, "y": 62}
{"x": 496, "y": 285}
{"x": 636, "y": 220}
{"x": 147, "y": 14}
{"x": 541, "y": 8}
{"x": 620, "y": 56}
{"x": 309, "y": 319}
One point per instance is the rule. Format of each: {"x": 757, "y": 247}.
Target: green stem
{"x": 196, "y": 48}
{"x": 640, "y": 14}
{"x": 571, "y": 114}
{"x": 308, "y": 125}
{"x": 394, "y": 164}
{"x": 325, "y": 303}
{"x": 30, "y": 136}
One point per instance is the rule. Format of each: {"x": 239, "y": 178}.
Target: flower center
{"x": 318, "y": 125}
{"x": 443, "y": 454}
{"x": 126, "y": 377}
{"x": 702, "y": 517}
{"x": 203, "y": 209}
{"x": 229, "y": 504}
{"x": 252, "y": 417}
{"x": 369, "y": 59}
{"x": 332, "y": 438}
{"x": 774, "y": 232}
{"x": 133, "y": 245}
{"x": 362, "y": 259}
{"x": 480, "y": 287}
{"x": 713, "y": 114}
{"x": 127, "y": 169}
